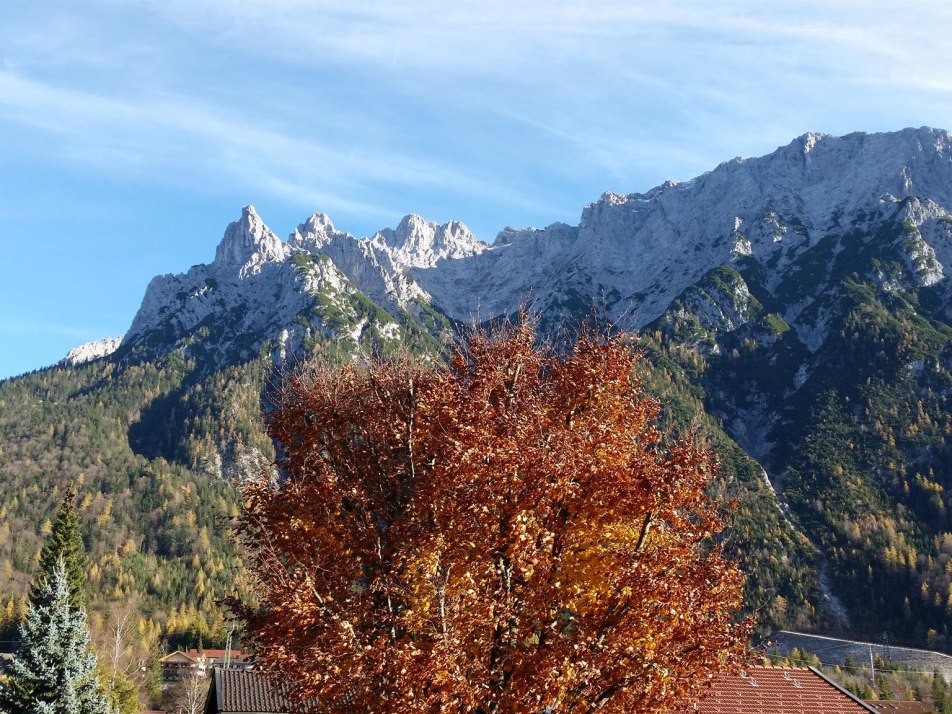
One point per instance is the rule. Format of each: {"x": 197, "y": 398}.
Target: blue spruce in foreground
{"x": 52, "y": 670}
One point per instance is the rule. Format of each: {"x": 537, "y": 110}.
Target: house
{"x": 757, "y": 690}
{"x": 237, "y": 691}
{"x": 778, "y": 690}
{"x": 888, "y": 706}
{"x": 176, "y": 665}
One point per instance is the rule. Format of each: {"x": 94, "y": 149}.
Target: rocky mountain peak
{"x": 416, "y": 243}
{"x": 637, "y": 252}
{"x": 412, "y": 228}
{"x": 248, "y": 243}
{"x": 809, "y": 140}
{"x": 315, "y": 233}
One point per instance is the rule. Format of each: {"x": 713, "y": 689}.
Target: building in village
{"x": 757, "y": 690}
{"x": 778, "y": 690}
{"x": 236, "y": 691}
{"x": 179, "y": 664}
{"x": 887, "y": 706}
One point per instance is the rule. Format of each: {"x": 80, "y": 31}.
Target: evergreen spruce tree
{"x": 64, "y": 543}
{"x": 53, "y": 673}
{"x": 940, "y": 693}
{"x": 884, "y": 689}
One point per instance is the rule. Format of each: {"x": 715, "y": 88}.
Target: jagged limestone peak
{"x": 417, "y": 243}
{"x": 315, "y": 233}
{"x": 248, "y": 241}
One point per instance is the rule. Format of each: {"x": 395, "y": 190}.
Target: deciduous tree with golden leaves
{"x": 505, "y": 533}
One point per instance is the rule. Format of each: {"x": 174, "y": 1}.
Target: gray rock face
{"x": 635, "y": 253}
{"x": 251, "y": 293}
{"x": 249, "y": 244}
{"x": 629, "y": 257}
{"x": 89, "y": 351}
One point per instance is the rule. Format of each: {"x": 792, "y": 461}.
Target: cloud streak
{"x": 169, "y": 132}
{"x": 339, "y": 101}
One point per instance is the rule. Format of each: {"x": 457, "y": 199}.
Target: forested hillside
{"x": 153, "y": 461}
{"x": 155, "y": 449}
{"x": 855, "y": 432}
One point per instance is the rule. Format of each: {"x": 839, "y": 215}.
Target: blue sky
{"x": 132, "y": 131}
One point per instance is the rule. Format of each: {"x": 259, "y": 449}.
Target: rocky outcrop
{"x": 796, "y": 215}
{"x": 90, "y": 351}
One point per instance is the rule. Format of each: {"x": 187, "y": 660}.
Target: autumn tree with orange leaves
{"x": 507, "y": 533}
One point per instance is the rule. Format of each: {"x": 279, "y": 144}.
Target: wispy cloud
{"x": 169, "y": 132}
{"x": 338, "y": 101}
{"x": 499, "y": 37}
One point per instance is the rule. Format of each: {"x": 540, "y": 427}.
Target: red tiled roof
{"x": 778, "y": 690}
{"x": 897, "y": 707}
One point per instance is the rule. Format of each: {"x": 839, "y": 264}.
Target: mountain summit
{"x": 631, "y": 255}
{"x": 248, "y": 243}
{"x": 635, "y": 253}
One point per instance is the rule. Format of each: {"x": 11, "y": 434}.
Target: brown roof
{"x": 217, "y": 654}
{"x": 885, "y": 706}
{"x": 778, "y": 690}
{"x": 246, "y": 691}
{"x": 757, "y": 690}
{"x": 194, "y": 655}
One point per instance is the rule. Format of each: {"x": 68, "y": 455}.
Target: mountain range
{"x": 795, "y": 308}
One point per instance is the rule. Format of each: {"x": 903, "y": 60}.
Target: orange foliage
{"x": 504, "y": 534}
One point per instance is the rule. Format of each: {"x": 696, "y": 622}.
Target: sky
{"x": 133, "y": 131}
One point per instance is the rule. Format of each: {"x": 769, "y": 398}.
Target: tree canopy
{"x": 505, "y": 533}
{"x": 53, "y": 673}
{"x": 63, "y": 545}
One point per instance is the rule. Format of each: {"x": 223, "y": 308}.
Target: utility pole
{"x": 872, "y": 667}
{"x": 228, "y": 648}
